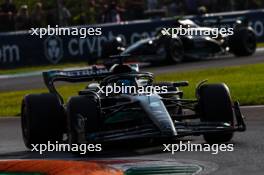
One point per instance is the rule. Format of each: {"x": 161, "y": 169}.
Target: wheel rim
{"x": 250, "y": 42}
{"x": 176, "y": 51}
{"x": 161, "y": 51}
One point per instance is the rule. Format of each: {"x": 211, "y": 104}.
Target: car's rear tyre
{"x": 175, "y": 50}
{"x": 215, "y": 105}
{"x": 42, "y": 119}
{"x": 243, "y": 42}
{"x": 83, "y": 116}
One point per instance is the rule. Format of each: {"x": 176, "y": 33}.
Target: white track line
{"x": 250, "y": 107}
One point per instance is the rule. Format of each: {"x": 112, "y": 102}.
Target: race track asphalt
{"x": 246, "y": 159}
{"x": 35, "y": 81}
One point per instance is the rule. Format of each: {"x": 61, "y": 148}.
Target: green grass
{"x": 11, "y": 101}
{"x": 260, "y": 45}
{"x": 246, "y": 85}
{"x": 27, "y": 69}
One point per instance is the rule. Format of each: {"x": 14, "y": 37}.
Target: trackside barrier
{"x": 20, "y": 48}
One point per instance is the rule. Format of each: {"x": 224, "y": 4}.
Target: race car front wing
{"x": 182, "y": 129}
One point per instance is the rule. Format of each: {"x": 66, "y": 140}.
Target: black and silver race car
{"x": 165, "y": 48}
{"x": 94, "y": 117}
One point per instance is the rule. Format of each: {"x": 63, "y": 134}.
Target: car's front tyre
{"x": 215, "y": 105}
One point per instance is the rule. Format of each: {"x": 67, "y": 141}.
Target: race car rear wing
{"x": 75, "y": 76}
{"x": 80, "y": 75}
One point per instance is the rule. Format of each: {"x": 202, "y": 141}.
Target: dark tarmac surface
{"x": 35, "y": 81}
{"x": 246, "y": 159}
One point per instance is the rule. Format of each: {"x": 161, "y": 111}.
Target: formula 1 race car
{"x": 92, "y": 116}
{"x": 163, "y": 47}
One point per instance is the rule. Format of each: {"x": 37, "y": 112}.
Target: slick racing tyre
{"x": 42, "y": 119}
{"x": 175, "y": 50}
{"x": 83, "y": 116}
{"x": 215, "y": 105}
{"x": 243, "y": 42}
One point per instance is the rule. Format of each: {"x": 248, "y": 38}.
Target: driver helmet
{"x": 120, "y": 69}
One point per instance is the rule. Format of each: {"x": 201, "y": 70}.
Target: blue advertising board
{"x": 21, "y": 48}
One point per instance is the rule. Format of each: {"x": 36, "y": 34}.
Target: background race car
{"x": 173, "y": 48}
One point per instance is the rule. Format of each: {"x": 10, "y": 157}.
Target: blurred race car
{"x": 94, "y": 117}
{"x": 173, "y": 50}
